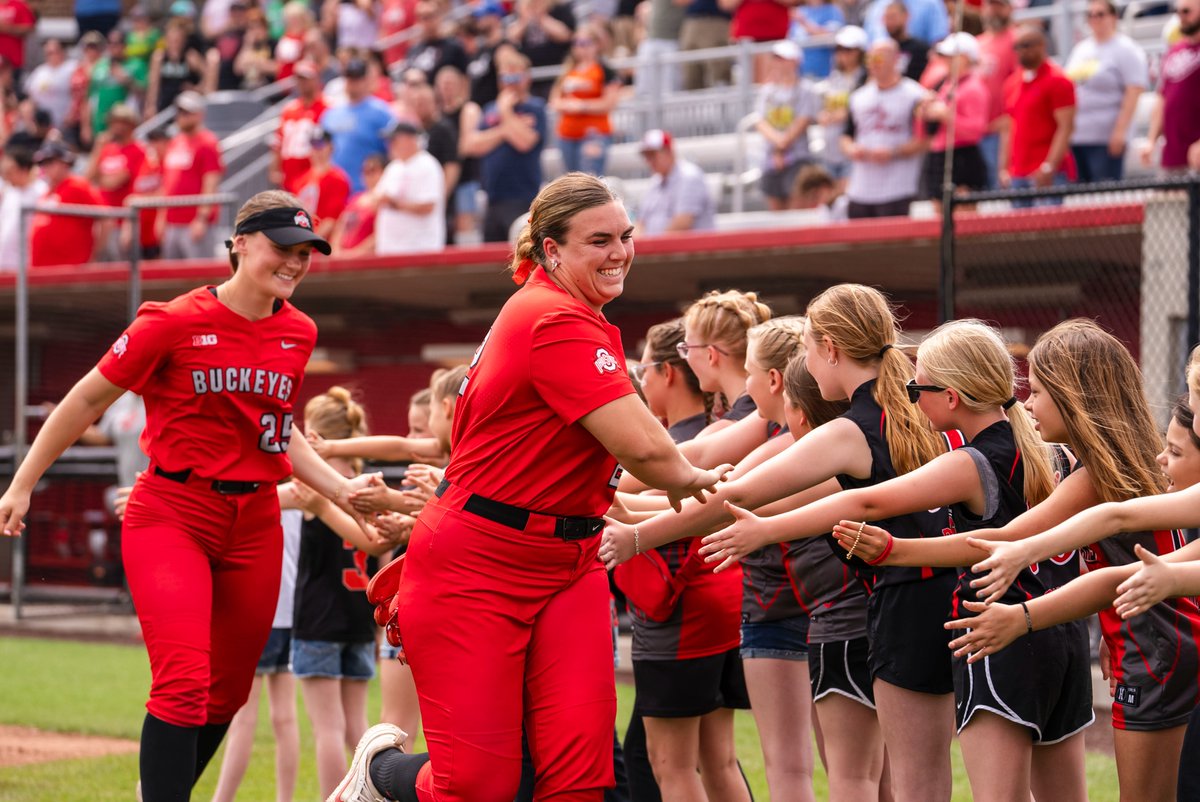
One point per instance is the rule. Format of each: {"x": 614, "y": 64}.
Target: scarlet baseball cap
{"x": 286, "y": 226}
{"x": 656, "y": 139}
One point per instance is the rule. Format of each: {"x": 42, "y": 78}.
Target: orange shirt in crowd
{"x": 585, "y": 83}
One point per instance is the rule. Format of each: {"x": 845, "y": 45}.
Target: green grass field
{"x": 100, "y": 689}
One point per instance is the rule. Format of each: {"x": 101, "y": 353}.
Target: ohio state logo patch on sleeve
{"x": 301, "y": 219}
{"x": 121, "y": 346}
{"x": 605, "y": 362}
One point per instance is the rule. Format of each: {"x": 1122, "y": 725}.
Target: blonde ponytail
{"x": 335, "y": 415}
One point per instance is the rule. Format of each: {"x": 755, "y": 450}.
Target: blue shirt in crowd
{"x": 927, "y": 20}
{"x": 507, "y": 173}
{"x": 357, "y": 130}
{"x": 818, "y": 61}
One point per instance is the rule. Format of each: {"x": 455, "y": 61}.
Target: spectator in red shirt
{"x": 997, "y": 61}
{"x": 16, "y": 22}
{"x": 1039, "y": 106}
{"x": 325, "y": 187}
{"x": 1176, "y": 115}
{"x": 354, "y": 232}
{"x": 192, "y": 166}
{"x": 55, "y": 239}
{"x": 148, "y": 184}
{"x": 297, "y": 122}
{"x": 116, "y": 160}
{"x": 91, "y": 48}
{"x": 298, "y": 20}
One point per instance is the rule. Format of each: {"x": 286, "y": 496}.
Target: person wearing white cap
{"x": 968, "y": 101}
{"x": 849, "y": 54}
{"x": 1110, "y": 73}
{"x": 678, "y": 198}
{"x": 786, "y": 106}
{"x": 883, "y": 139}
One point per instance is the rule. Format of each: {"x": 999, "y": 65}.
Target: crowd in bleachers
{"x": 425, "y": 119}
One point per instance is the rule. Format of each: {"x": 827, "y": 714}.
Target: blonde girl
{"x": 964, "y": 383}
{"x": 850, "y": 341}
{"x": 1086, "y": 391}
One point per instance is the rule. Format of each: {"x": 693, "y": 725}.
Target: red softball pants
{"x": 203, "y": 569}
{"x": 502, "y": 628}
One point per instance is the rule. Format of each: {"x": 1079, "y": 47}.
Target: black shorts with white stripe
{"x": 840, "y": 667}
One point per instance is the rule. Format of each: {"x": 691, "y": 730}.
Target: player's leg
{"x": 570, "y": 693}
{"x": 398, "y": 693}
{"x": 1059, "y": 771}
{"x": 719, "y": 769}
{"x": 997, "y": 753}
{"x": 1148, "y": 763}
{"x": 853, "y": 748}
{"x": 238, "y": 746}
{"x": 917, "y": 729}
{"x": 354, "y": 709}
{"x": 281, "y": 697}
{"x": 781, "y": 700}
{"x": 674, "y": 747}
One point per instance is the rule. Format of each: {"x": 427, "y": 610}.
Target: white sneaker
{"x": 356, "y": 786}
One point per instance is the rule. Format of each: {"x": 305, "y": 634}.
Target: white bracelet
{"x": 637, "y": 541}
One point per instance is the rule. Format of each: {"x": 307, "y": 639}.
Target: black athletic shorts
{"x": 840, "y": 667}
{"x": 1042, "y": 681}
{"x": 694, "y": 687}
{"x": 909, "y": 646}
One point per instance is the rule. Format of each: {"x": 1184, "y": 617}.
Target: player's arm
{"x": 83, "y": 404}
{"x": 388, "y": 448}
{"x": 948, "y": 479}
{"x": 837, "y": 447}
{"x": 315, "y": 472}
{"x": 730, "y": 443}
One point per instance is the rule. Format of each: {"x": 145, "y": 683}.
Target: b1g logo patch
{"x": 200, "y": 340}
{"x": 121, "y": 346}
{"x": 605, "y": 362}
{"x": 1127, "y": 695}
{"x": 301, "y": 219}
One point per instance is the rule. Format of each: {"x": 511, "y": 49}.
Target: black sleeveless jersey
{"x": 871, "y": 420}
{"x": 1060, "y": 569}
{"x": 331, "y": 588}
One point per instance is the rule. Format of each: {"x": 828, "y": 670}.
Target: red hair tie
{"x": 522, "y": 271}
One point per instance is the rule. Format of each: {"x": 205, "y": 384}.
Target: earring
{"x": 831, "y": 362}
{"x": 553, "y": 265}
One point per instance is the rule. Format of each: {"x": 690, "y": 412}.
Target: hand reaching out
{"x": 702, "y": 482}
{"x": 862, "y": 540}
{"x": 994, "y": 627}
{"x": 1151, "y": 584}
{"x": 747, "y": 533}
{"x": 999, "y": 570}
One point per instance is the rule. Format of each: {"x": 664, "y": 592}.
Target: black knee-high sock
{"x": 394, "y": 774}
{"x": 167, "y": 761}
{"x": 207, "y": 742}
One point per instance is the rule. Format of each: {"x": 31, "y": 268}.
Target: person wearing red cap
{"x": 219, "y": 368}
{"x": 678, "y": 199}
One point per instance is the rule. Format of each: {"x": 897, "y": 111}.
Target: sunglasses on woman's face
{"x": 915, "y": 390}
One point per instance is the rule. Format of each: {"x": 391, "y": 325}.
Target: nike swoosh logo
{"x": 285, "y": 345}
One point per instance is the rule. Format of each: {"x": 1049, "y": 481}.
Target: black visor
{"x": 285, "y": 226}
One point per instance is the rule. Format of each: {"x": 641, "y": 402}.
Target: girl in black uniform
{"x": 1041, "y": 692}
{"x": 849, "y": 349}
{"x": 333, "y": 646}
{"x": 1086, "y": 392}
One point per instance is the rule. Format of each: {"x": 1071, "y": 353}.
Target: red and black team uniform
{"x": 504, "y": 607}
{"x": 201, "y": 541}
{"x": 1043, "y": 680}
{"x": 907, "y": 606}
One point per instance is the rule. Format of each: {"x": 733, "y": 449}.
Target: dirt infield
{"x": 21, "y": 746}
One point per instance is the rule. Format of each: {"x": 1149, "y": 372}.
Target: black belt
{"x": 565, "y": 527}
{"x": 221, "y": 486}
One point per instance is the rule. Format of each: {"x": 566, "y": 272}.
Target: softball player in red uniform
{"x": 219, "y": 369}
{"x": 504, "y": 608}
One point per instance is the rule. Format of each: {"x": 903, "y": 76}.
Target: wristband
{"x": 886, "y": 551}
{"x": 637, "y": 541}
{"x": 1028, "y": 619}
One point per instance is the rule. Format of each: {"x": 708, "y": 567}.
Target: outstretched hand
{"x": 747, "y": 533}
{"x": 994, "y": 627}
{"x": 1151, "y": 584}
{"x": 865, "y": 541}
{"x": 999, "y": 570}
{"x": 13, "y": 507}
{"x": 618, "y": 543}
{"x": 702, "y": 482}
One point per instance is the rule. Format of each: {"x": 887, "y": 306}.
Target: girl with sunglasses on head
{"x": 1038, "y": 695}
{"x": 687, "y": 671}
{"x": 850, "y": 350}
{"x": 1085, "y": 391}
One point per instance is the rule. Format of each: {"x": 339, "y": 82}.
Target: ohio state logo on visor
{"x": 605, "y": 362}
{"x": 301, "y": 219}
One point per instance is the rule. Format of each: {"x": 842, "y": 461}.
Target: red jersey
{"x": 396, "y": 16}
{"x": 189, "y": 159}
{"x": 324, "y": 195}
{"x": 57, "y": 240}
{"x": 547, "y": 361}
{"x": 114, "y": 159}
{"x": 12, "y": 48}
{"x": 358, "y": 221}
{"x": 1031, "y": 105}
{"x": 288, "y": 52}
{"x": 760, "y": 20}
{"x": 149, "y": 182}
{"x": 219, "y": 389}
{"x": 293, "y": 140}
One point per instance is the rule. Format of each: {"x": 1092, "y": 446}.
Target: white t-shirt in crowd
{"x": 50, "y": 88}
{"x": 884, "y": 119}
{"x": 1101, "y": 73}
{"x": 417, "y": 180}
{"x": 11, "y": 201}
